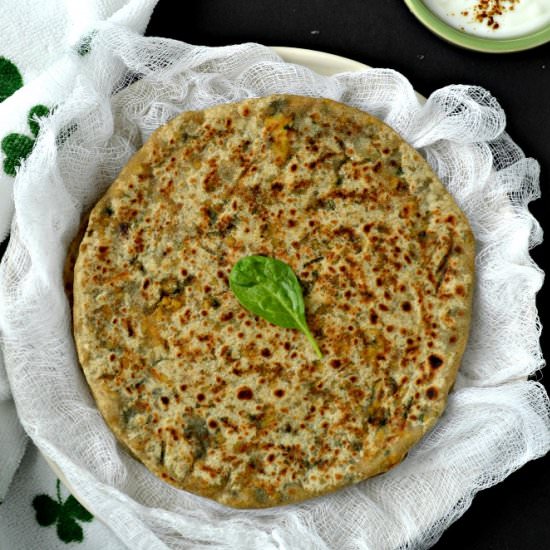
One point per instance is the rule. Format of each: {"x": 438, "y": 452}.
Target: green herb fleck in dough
{"x": 197, "y": 433}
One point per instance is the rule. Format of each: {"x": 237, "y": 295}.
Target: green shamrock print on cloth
{"x": 10, "y": 78}
{"x": 63, "y": 514}
{"x": 17, "y": 147}
{"x": 85, "y": 46}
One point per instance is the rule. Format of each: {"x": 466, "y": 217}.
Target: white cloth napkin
{"x": 42, "y": 43}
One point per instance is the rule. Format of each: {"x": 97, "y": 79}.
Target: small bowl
{"x": 472, "y": 42}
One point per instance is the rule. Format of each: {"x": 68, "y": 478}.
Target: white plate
{"x": 324, "y": 63}
{"x": 320, "y": 62}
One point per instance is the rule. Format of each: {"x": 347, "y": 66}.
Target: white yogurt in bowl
{"x": 500, "y": 19}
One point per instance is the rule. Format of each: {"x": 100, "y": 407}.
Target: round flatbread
{"x": 222, "y": 403}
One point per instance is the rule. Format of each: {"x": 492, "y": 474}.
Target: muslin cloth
{"x": 38, "y": 67}
{"x": 496, "y": 420}
{"x": 40, "y": 43}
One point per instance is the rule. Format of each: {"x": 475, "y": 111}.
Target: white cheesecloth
{"x": 495, "y": 421}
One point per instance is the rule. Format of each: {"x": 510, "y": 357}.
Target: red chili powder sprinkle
{"x": 485, "y": 11}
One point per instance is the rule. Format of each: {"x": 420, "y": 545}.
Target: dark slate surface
{"x": 383, "y": 33}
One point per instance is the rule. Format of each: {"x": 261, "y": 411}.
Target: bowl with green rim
{"x": 472, "y": 42}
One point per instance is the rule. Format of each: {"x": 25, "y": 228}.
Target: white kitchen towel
{"x": 42, "y": 46}
{"x": 39, "y": 513}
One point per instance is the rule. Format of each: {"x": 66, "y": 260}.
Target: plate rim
{"x": 472, "y": 42}
{"x": 337, "y": 63}
{"x": 306, "y": 57}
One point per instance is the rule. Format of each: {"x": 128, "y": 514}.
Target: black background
{"x": 383, "y": 33}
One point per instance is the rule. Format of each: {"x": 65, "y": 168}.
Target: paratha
{"x": 222, "y": 403}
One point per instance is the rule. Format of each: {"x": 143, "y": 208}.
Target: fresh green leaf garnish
{"x": 269, "y": 288}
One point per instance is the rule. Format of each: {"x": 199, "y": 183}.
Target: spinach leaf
{"x": 269, "y": 288}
